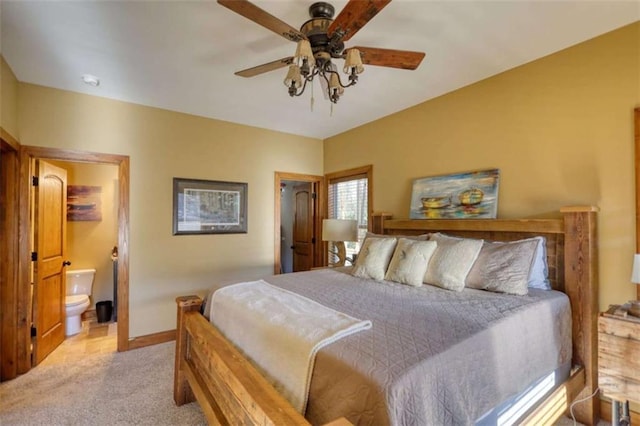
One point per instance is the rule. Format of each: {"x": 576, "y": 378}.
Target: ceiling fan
{"x": 321, "y": 39}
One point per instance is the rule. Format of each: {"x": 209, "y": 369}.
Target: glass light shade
{"x": 303, "y": 51}
{"x": 635, "y": 273}
{"x": 353, "y": 62}
{"x": 339, "y": 230}
{"x": 334, "y": 83}
{"x": 293, "y": 76}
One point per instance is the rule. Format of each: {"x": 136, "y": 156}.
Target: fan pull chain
{"x": 312, "y": 99}
{"x": 331, "y": 110}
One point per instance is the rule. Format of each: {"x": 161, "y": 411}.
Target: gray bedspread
{"x": 433, "y": 356}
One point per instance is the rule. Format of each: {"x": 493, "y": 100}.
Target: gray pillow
{"x": 503, "y": 267}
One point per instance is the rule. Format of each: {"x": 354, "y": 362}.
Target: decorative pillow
{"x": 503, "y": 267}
{"x": 539, "y": 276}
{"x": 374, "y": 258}
{"x": 451, "y": 261}
{"x": 410, "y": 261}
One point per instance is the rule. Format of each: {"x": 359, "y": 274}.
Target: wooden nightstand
{"x": 619, "y": 362}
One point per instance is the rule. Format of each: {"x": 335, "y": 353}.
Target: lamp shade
{"x": 303, "y": 51}
{"x": 334, "y": 84}
{"x": 293, "y": 78}
{"x": 339, "y": 230}
{"x": 635, "y": 273}
{"x": 353, "y": 62}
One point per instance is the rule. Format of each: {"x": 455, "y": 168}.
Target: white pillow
{"x": 410, "y": 261}
{"x": 451, "y": 261}
{"x": 503, "y": 267}
{"x": 374, "y": 257}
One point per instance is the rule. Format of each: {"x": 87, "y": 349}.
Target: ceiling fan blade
{"x": 404, "y": 59}
{"x": 261, "y": 17}
{"x": 354, "y": 16}
{"x": 269, "y": 66}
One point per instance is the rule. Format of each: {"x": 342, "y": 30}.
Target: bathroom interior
{"x": 92, "y": 235}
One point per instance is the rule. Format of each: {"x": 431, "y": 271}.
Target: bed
{"x": 230, "y": 391}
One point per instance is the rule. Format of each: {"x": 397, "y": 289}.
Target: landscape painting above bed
{"x": 456, "y": 196}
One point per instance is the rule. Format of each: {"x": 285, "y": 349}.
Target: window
{"x": 349, "y": 197}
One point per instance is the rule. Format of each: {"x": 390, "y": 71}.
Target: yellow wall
{"x": 89, "y": 243}
{"x": 162, "y": 145}
{"x": 560, "y": 129}
{"x": 8, "y": 99}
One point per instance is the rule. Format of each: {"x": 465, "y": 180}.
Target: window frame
{"x": 346, "y": 175}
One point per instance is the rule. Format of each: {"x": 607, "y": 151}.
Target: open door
{"x": 50, "y": 226}
{"x": 309, "y": 206}
{"x": 303, "y": 227}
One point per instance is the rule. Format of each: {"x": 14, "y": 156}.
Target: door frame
{"x": 10, "y": 365}
{"x": 317, "y": 184}
{"x": 27, "y": 156}
{"x": 636, "y": 131}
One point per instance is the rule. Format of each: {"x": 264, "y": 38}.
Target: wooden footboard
{"x": 227, "y": 386}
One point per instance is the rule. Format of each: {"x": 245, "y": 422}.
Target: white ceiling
{"x": 182, "y": 55}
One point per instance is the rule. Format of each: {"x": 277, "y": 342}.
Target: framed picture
{"x": 209, "y": 207}
{"x": 456, "y": 196}
{"x": 84, "y": 203}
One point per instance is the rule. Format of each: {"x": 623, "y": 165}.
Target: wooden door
{"x": 50, "y": 226}
{"x": 302, "y": 228}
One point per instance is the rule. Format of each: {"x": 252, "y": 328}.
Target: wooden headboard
{"x": 573, "y": 269}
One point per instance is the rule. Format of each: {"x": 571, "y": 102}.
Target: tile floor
{"x": 95, "y": 338}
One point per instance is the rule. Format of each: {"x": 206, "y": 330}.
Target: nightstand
{"x": 619, "y": 361}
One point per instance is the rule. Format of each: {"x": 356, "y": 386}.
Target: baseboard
{"x": 605, "y": 413}
{"x": 89, "y": 315}
{"x": 152, "y": 339}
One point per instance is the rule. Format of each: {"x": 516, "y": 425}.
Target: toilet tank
{"x": 79, "y": 281}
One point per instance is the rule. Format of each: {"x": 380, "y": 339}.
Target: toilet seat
{"x": 75, "y": 300}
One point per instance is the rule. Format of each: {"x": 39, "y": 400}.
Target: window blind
{"x": 348, "y": 200}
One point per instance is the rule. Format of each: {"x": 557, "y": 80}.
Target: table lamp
{"x": 635, "y": 278}
{"x": 338, "y": 231}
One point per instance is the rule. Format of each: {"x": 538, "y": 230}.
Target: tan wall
{"x": 560, "y": 130}
{"x": 89, "y": 243}
{"x": 163, "y": 145}
{"x": 8, "y": 99}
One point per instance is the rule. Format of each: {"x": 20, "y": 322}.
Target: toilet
{"x": 78, "y": 289}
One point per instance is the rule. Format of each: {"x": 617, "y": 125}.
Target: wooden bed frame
{"x": 230, "y": 391}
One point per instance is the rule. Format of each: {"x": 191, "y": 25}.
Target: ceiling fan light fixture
{"x": 304, "y": 52}
{"x": 293, "y": 80}
{"x": 353, "y": 62}
{"x": 334, "y": 84}
{"x": 319, "y": 41}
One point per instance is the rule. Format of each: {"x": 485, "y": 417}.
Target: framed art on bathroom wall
{"x": 209, "y": 207}
{"x": 84, "y": 203}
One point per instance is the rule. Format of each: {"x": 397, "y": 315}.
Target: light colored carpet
{"x": 128, "y": 388}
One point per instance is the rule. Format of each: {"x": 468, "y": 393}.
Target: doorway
{"x": 299, "y": 207}
{"x": 92, "y": 236}
{"x": 28, "y": 156}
